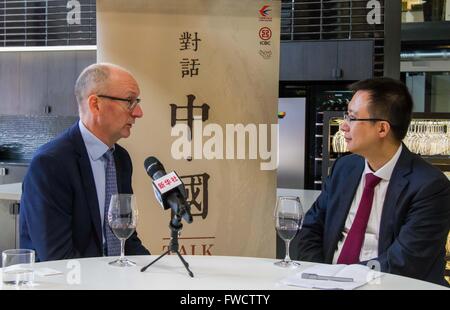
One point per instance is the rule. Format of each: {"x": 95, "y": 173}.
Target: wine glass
{"x": 288, "y": 220}
{"x": 122, "y": 218}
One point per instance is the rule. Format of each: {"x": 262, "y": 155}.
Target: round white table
{"x": 210, "y": 273}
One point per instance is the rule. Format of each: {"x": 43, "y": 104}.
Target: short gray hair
{"x": 91, "y": 80}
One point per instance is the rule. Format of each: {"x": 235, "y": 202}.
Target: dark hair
{"x": 390, "y": 100}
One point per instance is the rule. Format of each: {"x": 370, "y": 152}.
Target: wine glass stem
{"x": 287, "y": 258}
{"x": 122, "y": 249}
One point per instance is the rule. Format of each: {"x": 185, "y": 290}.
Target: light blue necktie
{"x": 112, "y": 244}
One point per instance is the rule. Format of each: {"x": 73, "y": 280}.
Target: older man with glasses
{"x": 70, "y": 180}
{"x": 381, "y": 204}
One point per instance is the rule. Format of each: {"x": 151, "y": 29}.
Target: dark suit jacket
{"x": 59, "y": 212}
{"x": 414, "y": 224}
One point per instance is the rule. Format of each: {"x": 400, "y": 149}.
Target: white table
{"x": 210, "y": 272}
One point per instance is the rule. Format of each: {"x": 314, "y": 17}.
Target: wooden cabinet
{"x": 61, "y": 76}
{"x": 9, "y": 83}
{"x": 12, "y": 173}
{"x": 303, "y": 61}
{"x": 355, "y": 59}
{"x": 9, "y": 224}
{"x": 326, "y": 60}
{"x": 9, "y": 213}
{"x": 41, "y": 82}
{"x": 32, "y": 83}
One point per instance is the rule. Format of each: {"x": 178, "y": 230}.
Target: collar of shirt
{"x": 94, "y": 146}
{"x": 385, "y": 172}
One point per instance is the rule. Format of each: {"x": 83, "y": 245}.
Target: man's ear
{"x": 93, "y": 104}
{"x": 384, "y": 128}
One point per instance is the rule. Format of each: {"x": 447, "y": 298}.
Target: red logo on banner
{"x": 264, "y": 11}
{"x": 264, "y": 14}
{"x": 265, "y": 33}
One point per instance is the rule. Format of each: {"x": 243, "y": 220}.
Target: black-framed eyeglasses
{"x": 349, "y": 119}
{"x": 132, "y": 103}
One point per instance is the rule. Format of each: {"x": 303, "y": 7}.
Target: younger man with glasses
{"x": 382, "y": 203}
{"x": 69, "y": 184}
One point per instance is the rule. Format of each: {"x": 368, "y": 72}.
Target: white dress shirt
{"x": 369, "y": 248}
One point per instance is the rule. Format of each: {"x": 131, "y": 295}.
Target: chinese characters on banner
{"x": 189, "y": 66}
{"x": 189, "y": 113}
{"x": 196, "y": 184}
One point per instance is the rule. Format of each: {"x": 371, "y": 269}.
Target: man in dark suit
{"x": 381, "y": 204}
{"x": 71, "y": 179}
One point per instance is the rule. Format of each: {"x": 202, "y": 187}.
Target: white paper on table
{"x": 359, "y": 273}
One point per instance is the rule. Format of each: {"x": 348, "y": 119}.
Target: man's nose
{"x": 344, "y": 126}
{"x": 137, "y": 112}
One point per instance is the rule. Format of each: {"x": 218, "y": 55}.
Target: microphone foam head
{"x": 151, "y": 165}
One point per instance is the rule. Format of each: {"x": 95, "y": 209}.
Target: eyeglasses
{"x": 131, "y": 103}
{"x": 349, "y": 119}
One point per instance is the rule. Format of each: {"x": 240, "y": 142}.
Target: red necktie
{"x": 355, "y": 238}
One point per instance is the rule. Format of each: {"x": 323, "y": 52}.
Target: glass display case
{"x": 430, "y": 90}
{"x": 414, "y": 11}
{"x": 428, "y": 135}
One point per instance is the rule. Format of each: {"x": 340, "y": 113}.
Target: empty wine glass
{"x": 122, "y": 218}
{"x": 288, "y": 220}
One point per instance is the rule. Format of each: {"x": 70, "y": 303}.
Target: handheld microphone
{"x": 168, "y": 188}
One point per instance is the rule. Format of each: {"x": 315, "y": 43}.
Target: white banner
{"x": 208, "y": 74}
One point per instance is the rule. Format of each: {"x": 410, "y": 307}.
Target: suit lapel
{"x": 341, "y": 206}
{"x": 87, "y": 179}
{"x": 397, "y": 184}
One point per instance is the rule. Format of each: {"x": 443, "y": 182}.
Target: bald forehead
{"x": 106, "y": 79}
{"x": 123, "y": 80}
